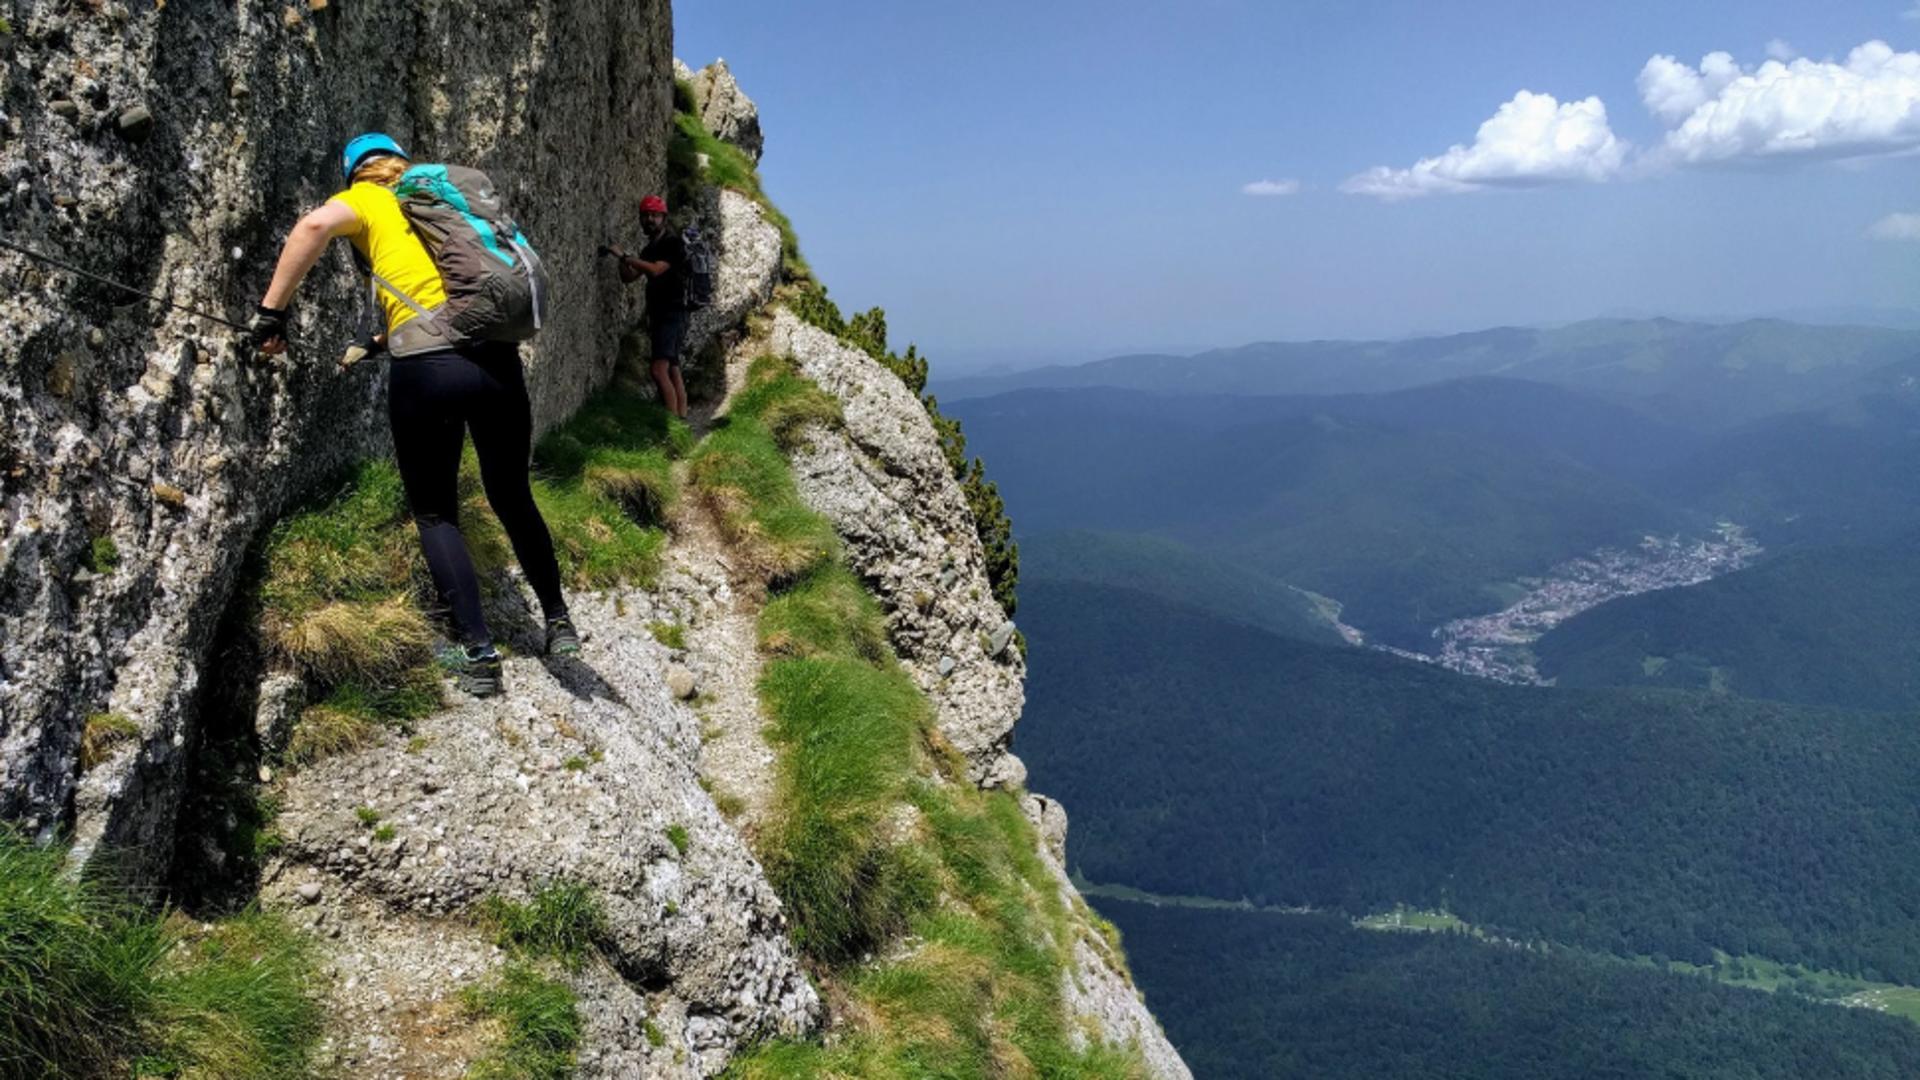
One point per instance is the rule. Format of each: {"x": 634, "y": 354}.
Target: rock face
{"x": 171, "y": 146}
{"x": 585, "y": 772}
{"x": 886, "y": 487}
{"x": 746, "y": 252}
{"x": 725, "y": 108}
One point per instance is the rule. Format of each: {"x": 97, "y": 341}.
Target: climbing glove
{"x": 266, "y": 326}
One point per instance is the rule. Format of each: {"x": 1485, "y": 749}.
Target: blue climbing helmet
{"x": 362, "y": 147}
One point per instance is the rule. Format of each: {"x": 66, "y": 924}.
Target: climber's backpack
{"x": 699, "y": 275}
{"x": 496, "y": 286}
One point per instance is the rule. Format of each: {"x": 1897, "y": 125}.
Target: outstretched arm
{"x": 304, "y": 245}
{"x": 302, "y": 249}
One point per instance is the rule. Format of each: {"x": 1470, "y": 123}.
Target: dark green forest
{"x": 1827, "y": 626}
{"x": 1255, "y": 995}
{"x": 1203, "y": 756}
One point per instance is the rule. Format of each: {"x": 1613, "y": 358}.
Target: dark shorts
{"x": 669, "y": 332}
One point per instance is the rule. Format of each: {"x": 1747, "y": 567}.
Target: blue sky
{"x": 1047, "y": 181}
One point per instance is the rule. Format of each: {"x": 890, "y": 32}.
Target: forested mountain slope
{"x": 1235, "y": 764}
{"x": 1823, "y": 626}
{"x": 1288, "y": 997}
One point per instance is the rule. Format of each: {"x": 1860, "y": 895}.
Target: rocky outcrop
{"x": 746, "y": 252}
{"x": 170, "y": 146}
{"x": 884, "y": 483}
{"x": 585, "y": 773}
{"x": 724, "y": 108}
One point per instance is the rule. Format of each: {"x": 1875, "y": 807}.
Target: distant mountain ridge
{"x": 1410, "y": 508}
{"x": 1704, "y": 374}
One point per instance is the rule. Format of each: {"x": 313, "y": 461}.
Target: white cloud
{"x": 1867, "y": 105}
{"x": 1780, "y": 50}
{"x": 1532, "y": 140}
{"x": 1271, "y": 187}
{"x": 1673, "y": 91}
{"x": 1896, "y": 227}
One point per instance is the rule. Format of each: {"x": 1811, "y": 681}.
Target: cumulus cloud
{"x": 1866, "y": 105}
{"x": 1673, "y": 91}
{"x": 1271, "y": 187}
{"x": 1532, "y": 140}
{"x": 1780, "y": 50}
{"x": 1896, "y": 227}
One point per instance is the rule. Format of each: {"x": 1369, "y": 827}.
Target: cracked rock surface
{"x": 583, "y": 772}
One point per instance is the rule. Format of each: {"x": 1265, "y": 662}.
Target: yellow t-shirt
{"x": 387, "y": 241}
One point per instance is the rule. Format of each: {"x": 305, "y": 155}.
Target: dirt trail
{"x": 722, "y": 646}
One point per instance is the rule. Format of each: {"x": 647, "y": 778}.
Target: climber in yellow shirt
{"x": 437, "y": 393}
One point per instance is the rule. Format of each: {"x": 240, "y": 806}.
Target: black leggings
{"x": 433, "y": 398}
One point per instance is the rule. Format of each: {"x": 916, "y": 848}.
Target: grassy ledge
{"x": 921, "y": 898}
{"x": 92, "y": 985}
{"x": 344, "y": 595}
{"x": 741, "y": 472}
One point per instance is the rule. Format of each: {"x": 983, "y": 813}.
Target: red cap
{"x": 653, "y": 204}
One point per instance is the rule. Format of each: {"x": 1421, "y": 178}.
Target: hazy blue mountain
{"x": 1204, "y": 756}
{"x": 1410, "y": 509}
{"x": 1696, "y": 374}
{"x": 1841, "y": 472}
{"x": 1825, "y": 626}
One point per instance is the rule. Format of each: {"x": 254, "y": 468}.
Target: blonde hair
{"x": 384, "y": 170}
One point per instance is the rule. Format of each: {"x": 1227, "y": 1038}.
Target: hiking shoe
{"x": 475, "y": 671}
{"x": 562, "y": 638}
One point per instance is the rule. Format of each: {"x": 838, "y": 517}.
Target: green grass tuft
{"x": 90, "y": 985}
{"x": 102, "y": 734}
{"x": 604, "y": 482}
{"x": 783, "y": 401}
{"x": 742, "y": 474}
{"x": 828, "y": 613}
{"x": 848, "y": 731}
{"x": 540, "y": 1024}
{"x": 672, "y": 635}
{"x": 677, "y": 836}
{"x": 563, "y": 921}
{"x": 103, "y": 555}
{"x": 367, "y": 816}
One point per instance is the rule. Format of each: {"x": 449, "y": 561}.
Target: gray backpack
{"x": 496, "y": 285}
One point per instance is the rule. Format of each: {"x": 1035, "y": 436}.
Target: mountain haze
{"x": 1710, "y": 374}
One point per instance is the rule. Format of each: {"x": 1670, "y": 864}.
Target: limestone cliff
{"x": 170, "y": 146}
